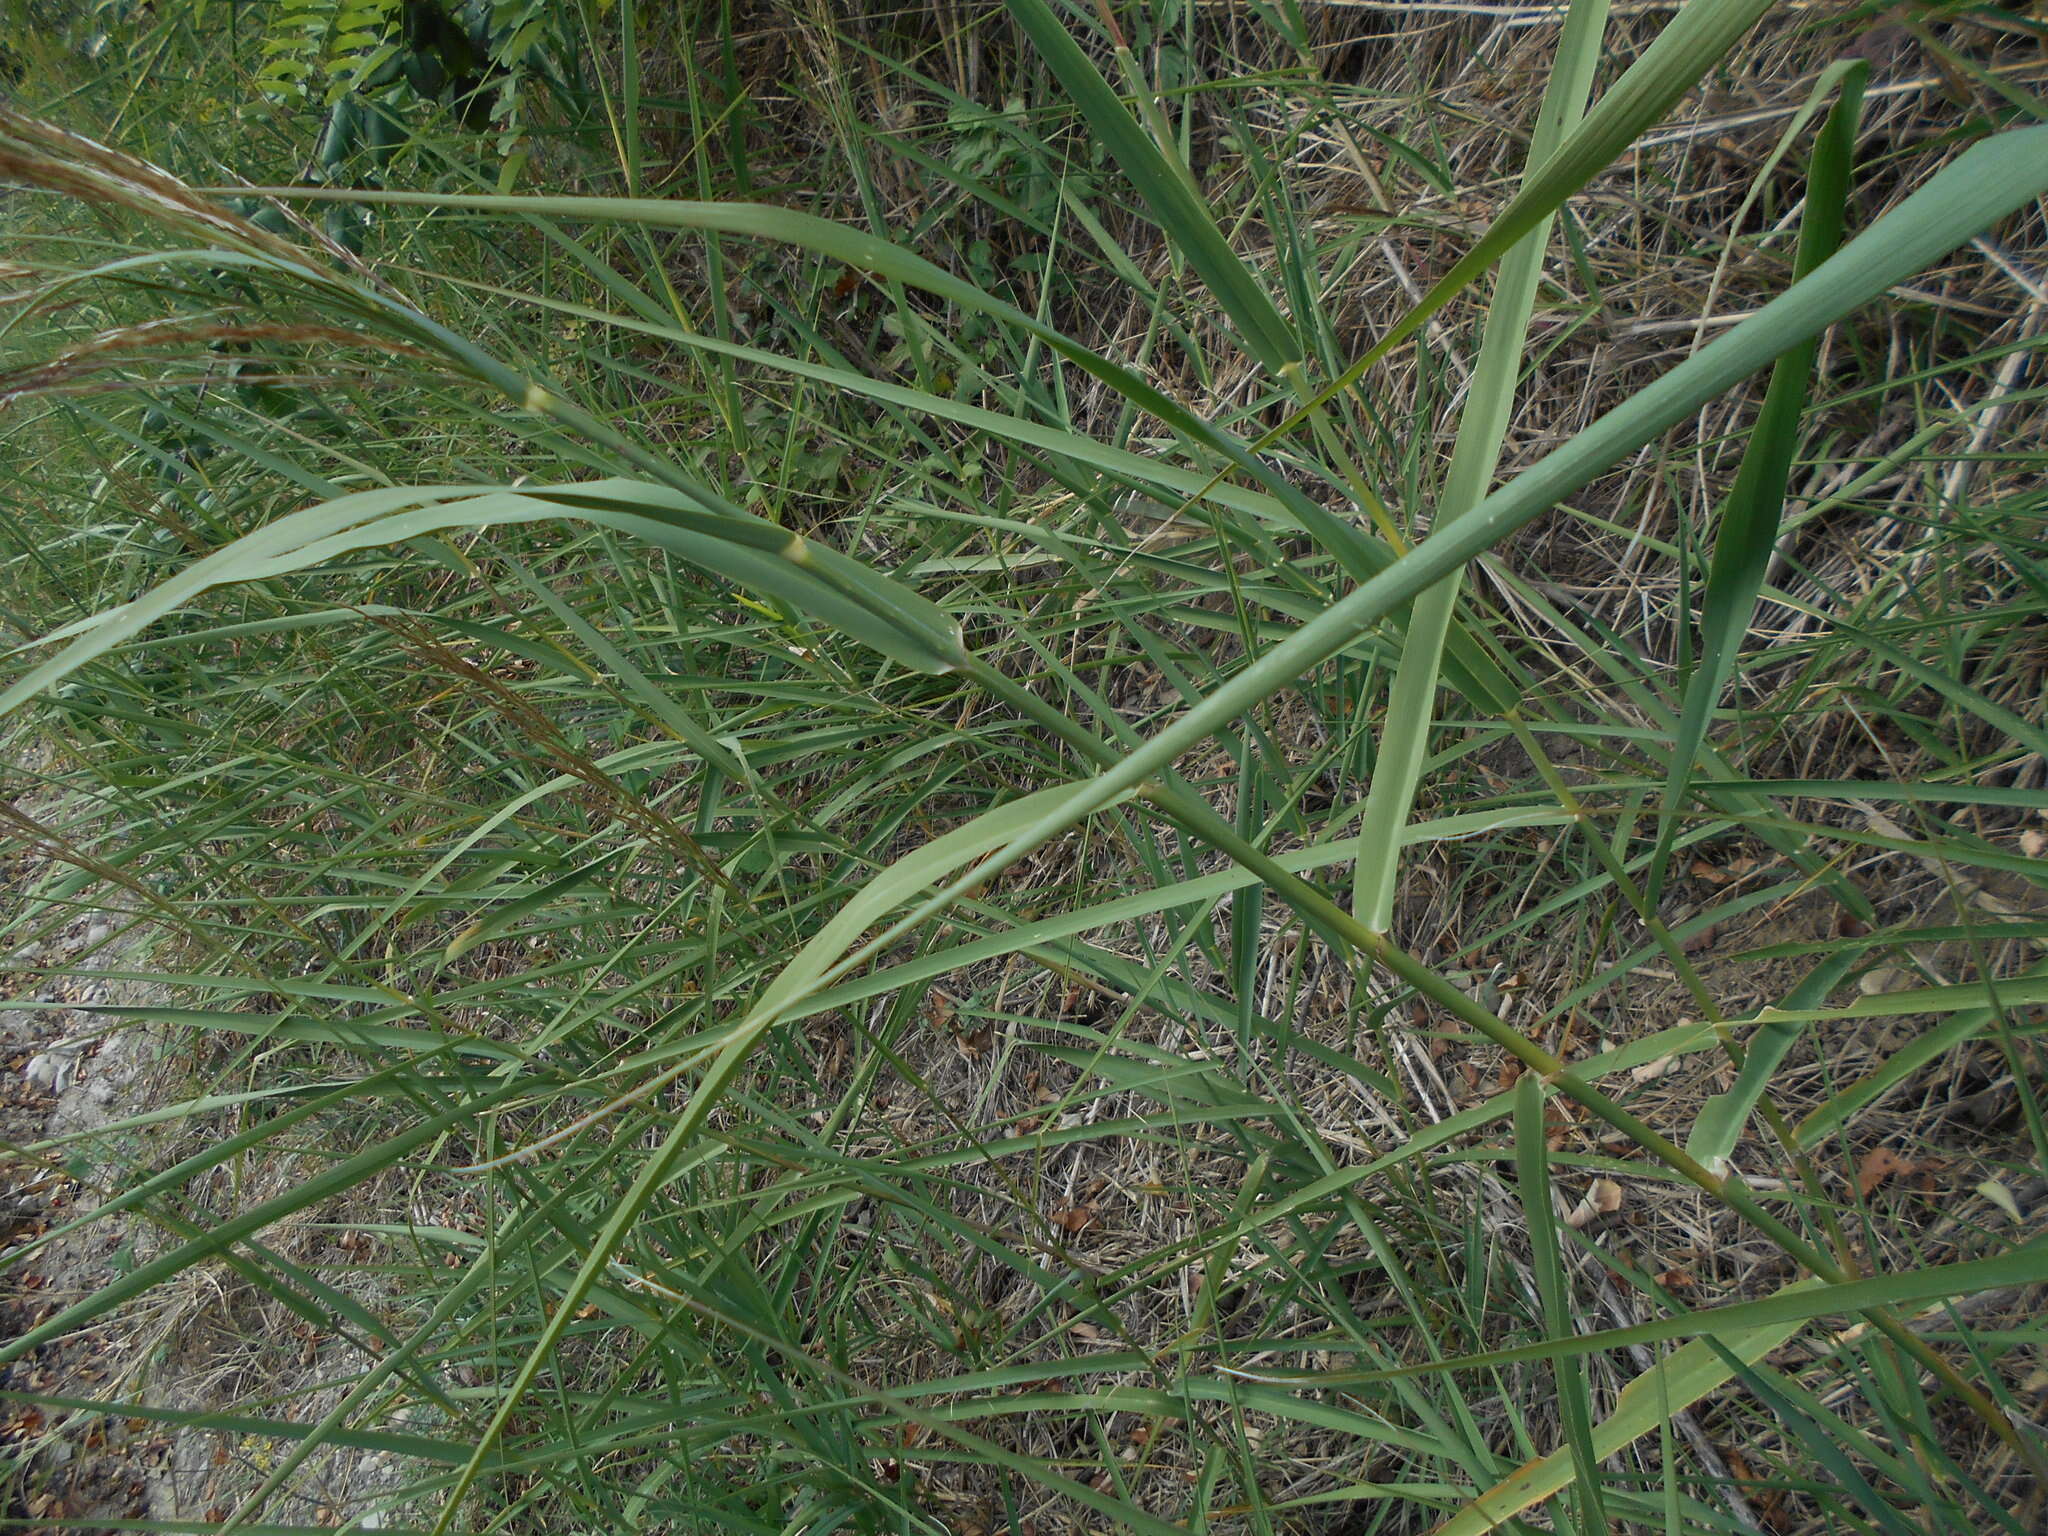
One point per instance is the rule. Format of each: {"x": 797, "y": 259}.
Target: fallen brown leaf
{"x": 1603, "y": 1199}
{"x": 1075, "y": 1218}
{"x": 1879, "y": 1164}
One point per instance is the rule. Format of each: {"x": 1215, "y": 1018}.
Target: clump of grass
{"x": 752, "y": 792}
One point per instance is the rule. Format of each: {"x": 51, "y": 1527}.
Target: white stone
{"x": 51, "y": 1071}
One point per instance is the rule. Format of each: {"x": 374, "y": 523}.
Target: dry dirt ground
{"x": 73, "y": 1080}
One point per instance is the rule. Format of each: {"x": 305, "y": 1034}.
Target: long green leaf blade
{"x": 1167, "y": 188}
{"x": 1404, "y": 740}
{"x": 1748, "y": 534}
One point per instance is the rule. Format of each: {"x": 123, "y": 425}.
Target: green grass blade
{"x": 822, "y": 1033}
{"x": 1929, "y": 1045}
{"x": 1166, "y": 186}
{"x": 1823, "y": 1447}
{"x": 1671, "y": 1385}
{"x": 1691, "y": 44}
{"x": 820, "y": 960}
{"x": 1532, "y": 1161}
{"x": 1404, "y": 739}
{"x": 1797, "y": 1304}
{"x": 220, "y": 1238}
{"x": 811, "y": 577}
{"x": 1748, "y": 533}
{"x": 1721, "y": 1120}
{"x": 866, "y": 253}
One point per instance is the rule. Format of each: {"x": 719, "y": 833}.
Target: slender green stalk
{"x": 1553, "y": 1284}
{"x": 1404, "y": 738}
{"x": 1748, "y": 534}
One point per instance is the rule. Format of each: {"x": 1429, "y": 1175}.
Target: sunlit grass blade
{"x": 1676, "y": 1382}
{"x": 1489, "y": 404}
{"x": 1794, "y": 1305}
{"x": 1690, "y": 45}
{"x": 812, "y": 578}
